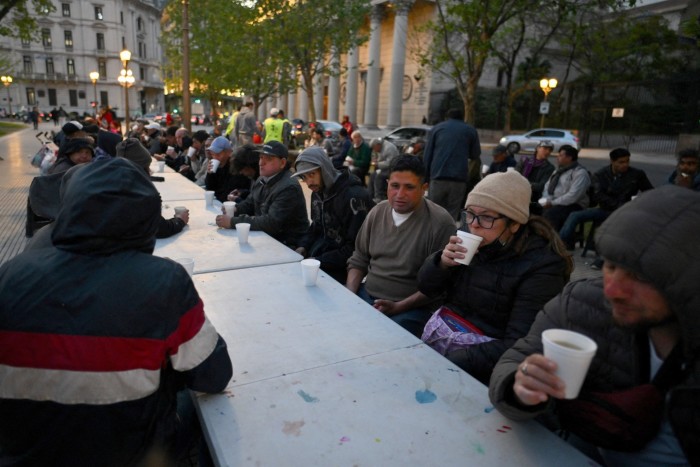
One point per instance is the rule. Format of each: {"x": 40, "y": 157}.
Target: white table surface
{"x": 177, "y": 187}
{"x": 403, "y": 407}
{"x": 215, "y": 249}
{"x": 274, "y": 325}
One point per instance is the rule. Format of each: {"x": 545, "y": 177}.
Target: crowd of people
{"x": 379, "y": 234}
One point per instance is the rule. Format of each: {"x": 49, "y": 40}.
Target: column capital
{"x": 378, "y": 13}
{"x": 402, "y": 7}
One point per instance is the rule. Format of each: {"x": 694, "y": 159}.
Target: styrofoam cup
{"x": 471, "y": 242}
{"x": 215, "y": 165}
{"x": 243, "y": 231}
{"x": 542, "y": 201}
{"x": 188, "y": 264}
{"x": 209, "y": 198}
{"x": 309, "y": 271}
{"x": 485, "y": 168}
{"x": 191, "y": 151}
{"x": 180, "y": 209}
{"x": 230, "y": 208}
{"x": 161, "y": 166}
{"x": 572, "y": 353}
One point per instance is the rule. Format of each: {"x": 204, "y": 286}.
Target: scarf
{"x": 557, "y": 175}
{"x": 530, "y": 163}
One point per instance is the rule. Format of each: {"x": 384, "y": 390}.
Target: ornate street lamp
{"x": 7, "y": 80}
{"x": 546, "y": 84}
{"x": 126, "y": 79}
{"x": 94, "y": 76}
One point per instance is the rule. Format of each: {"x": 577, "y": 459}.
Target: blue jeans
{"x": 411, "y": 320}
{"x": 568, "y": 230}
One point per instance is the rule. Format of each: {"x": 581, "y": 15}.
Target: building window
{"x": 142, "y": 50}
{"x": 73, "y": 97}
{"x": 26, "y": 42}
{"x": 52, "y": 97}
{"x": 121, "y": 17}
{"x": 31, "y": 97}
{"x": 65, "y": 7}
{"x": 46, "y": 37}
{"x": 139, "y": 24}
{"x": 123, "y": 43}
{"x": 70, "y": 67}
{"x": 104, "y": 98}
{"x": 68, "y": 39}
{"x": 49, "y": 66}
{"x": 142, "y": 74}
{"x": 102, "y": 68}
{"x": 98, "y": 13}
{"x": 28, "y": 66}
{"x": 100, "y": 41}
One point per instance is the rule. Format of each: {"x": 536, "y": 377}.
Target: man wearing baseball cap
{"x": 276, "y": 203}
{"x": 273, "y": 126}
{"x": 537, "y": 169}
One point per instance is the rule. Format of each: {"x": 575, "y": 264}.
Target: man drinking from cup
{"x": 642, "y": 316}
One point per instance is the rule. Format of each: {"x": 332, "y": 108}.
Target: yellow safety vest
{"x": 273, "y": 129}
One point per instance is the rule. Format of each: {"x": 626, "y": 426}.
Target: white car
{"x": 528, "y": 142}
{"x": 403, "y": 135}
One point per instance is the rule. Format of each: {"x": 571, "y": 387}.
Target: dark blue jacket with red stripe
{"x": 97, "y": 335}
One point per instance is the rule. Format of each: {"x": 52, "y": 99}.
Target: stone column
{"x": 303, "y": 105}
{"x": 398, "y": 63}
{"x": 334, "y": 88}
{"x": 291, "y": 105}
{"x": 351, "y": 85}
{"x": 373, "y": 70}
{"x": 318, "y": 95}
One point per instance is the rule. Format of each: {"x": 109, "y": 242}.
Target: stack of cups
{"x": 471, "y": 242}
{"x": 572, "y": 352}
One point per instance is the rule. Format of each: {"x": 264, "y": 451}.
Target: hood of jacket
{"x": 107, "y": 206}
{"x": 317, "y": 156}
{"x": 656, "y": 237}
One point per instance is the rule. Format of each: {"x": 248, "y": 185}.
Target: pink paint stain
{"x": 344, "y": 439}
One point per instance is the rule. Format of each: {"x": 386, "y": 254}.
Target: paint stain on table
{"x": 307, "y": 397}
{"x": 425, "y": 396}
{"x": 293, "y": 428}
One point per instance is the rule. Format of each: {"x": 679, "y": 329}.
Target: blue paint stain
{"x": 488, "y": 409}
{"x": 478, "y": 448}
{"x": 307, "y": 397}
{"x": 426, "y": 396}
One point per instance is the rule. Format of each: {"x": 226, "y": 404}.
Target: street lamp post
{"x": 94, "y": 76}
{"x": 546, "y": 84}
{"x": 126, "y": 79}
{"x": 7, "y": 80}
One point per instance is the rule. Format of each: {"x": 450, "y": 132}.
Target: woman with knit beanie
{"x": 519, "y": 266}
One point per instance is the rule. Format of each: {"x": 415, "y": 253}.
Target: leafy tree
{"x": 309, "y": 32}
{"x": 18, "y": 17}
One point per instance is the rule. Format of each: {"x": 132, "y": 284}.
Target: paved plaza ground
{"x": 16, "y": 174}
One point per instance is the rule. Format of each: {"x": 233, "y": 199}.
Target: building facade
{"x": 80, "y": 37}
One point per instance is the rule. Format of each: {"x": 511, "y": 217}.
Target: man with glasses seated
{"x": 520, "y": 265}
{"x": 396, "y": 237}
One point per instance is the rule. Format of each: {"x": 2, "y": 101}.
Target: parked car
{"x": 404, "y": 134}
{"x": 528, "y": 142}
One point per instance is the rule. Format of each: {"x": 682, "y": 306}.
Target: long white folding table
{"x": 215, "y": 249}
{"x": 321, "y": 378}
{"x": 177, "y": 187}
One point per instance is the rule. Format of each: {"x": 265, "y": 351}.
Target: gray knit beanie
{"x": 507, "y": 193}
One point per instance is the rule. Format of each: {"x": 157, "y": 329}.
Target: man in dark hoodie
{"x": 643, "y": 316}
{"x": 339, "y": 205}
{"x": 91, "y": 370}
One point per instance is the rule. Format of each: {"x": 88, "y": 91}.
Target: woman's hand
{"x": 453, "y": 249}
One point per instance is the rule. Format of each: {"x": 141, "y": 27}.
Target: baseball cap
{"x": 274, "y": 148}
{"x": 71, "y": 127}
{"x": 303, "y": 167}
{"x": 219, "y": 144}
{"x": 545, "y": 143}
{"x": 500, "y": 149}
{"x": 274, "y": 111}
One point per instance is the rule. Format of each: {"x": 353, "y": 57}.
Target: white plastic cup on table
{"x": 309, "y": 271}
{"x": 573, "y": 353}
{"x": 229, "y": 208}
{"x": 188, "y": 264}
{"x": 214, "y": 165}
{"x": 243, "y": 231}
{"x": 180, "y": 210}
{"x": 209, "y": 198}
{"x": 161, "y": 166}
{"x": 471, "y": 242}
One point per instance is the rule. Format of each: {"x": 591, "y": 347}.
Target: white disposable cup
{"x": 161, "y": 166}
{"x": 485, "y": 168}
{"x": 572, "y": 353}
{"x": 542, "y": 201}
{"x": 230, "y": 208}
{"x": 190, "y": 152}
{"x": 243, "y": 231}
{"x": 188, "y": 264}
{"x": 215, "y": 165}
{"x": 471, "y": 242}
{"x": 209, "y": 198}
{"x": 510, "y": 169}
{"x": 309, "y": 271}
{"x": 180, "y": 209}
{"x": 170, "y": 151}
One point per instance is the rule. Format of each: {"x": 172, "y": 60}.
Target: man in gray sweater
{"x": 394, "y": 241}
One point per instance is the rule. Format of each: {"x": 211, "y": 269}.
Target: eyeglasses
{"x": 484, "y": 221}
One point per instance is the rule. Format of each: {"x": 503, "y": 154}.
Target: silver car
{"x": 403, "y": 135}
{"x": 528, "y": 142}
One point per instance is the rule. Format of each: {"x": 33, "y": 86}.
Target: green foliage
{"x": 18, "y": 17}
